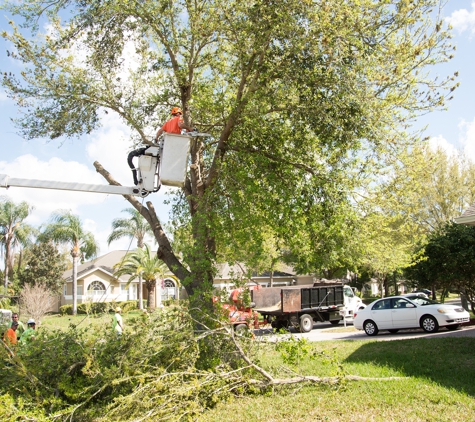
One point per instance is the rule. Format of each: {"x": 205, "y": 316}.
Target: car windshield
{"x": 419, "y": 300}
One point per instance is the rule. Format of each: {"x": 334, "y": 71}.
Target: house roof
{"x": 227, "y": 272}
{"x": 103, "y": 263}
{"x": 468, "y": 217}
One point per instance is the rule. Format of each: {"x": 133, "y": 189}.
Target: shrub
{"x": 91, "y": 373}
{"x": 99, "y": 307}
{"x": 66, "y": 310}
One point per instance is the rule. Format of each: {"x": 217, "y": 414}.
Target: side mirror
{"x": 410, "y": 305}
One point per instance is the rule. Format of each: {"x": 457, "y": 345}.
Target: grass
{"x": 438, "y": 385}
{"x": 101, "y": 321}
{"x": 437, "y": 382}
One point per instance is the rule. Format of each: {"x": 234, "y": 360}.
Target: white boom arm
{"x": 158, "y": 164}
{"x": 6, "y": 182}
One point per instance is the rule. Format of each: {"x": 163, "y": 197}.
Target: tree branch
{"x": 164, "y": 252}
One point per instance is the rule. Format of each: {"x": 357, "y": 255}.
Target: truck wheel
{"x": 306, "y": 323}
{"x": 241, "y": 328}
{"x": 280, "y": 325}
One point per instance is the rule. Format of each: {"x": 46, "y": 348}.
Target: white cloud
{"x": 110, "y": 145}
{"x": 468, "y": 138}
{"x": 46, "y": 201}
{"x": 463, "y": 19}
{"x": 101, "y": 233}
{"x": 440, "y": 142}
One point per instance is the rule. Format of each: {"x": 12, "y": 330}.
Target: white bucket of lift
{"x": 174, "y": 159}
{"x": 148, "y": 169}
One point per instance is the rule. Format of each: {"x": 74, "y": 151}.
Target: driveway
{"x": 325, "y": 332}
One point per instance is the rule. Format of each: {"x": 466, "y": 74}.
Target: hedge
{"x": 99, "y": 307}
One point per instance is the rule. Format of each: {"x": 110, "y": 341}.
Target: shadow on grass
{"x": 449, "y": 362}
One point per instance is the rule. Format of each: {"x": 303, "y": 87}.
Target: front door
{"x": 381, "y": 314}
{"x": 404, "y": 314}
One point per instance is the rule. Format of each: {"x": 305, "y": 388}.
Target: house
{"x": 96, "y": 283}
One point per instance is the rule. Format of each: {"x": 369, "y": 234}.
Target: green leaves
{"x": 307, "y": 103}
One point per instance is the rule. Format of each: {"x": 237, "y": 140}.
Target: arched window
{"x": 169, "y": 283}
{"x": 96, "y": 289}
{"x": 168, "y": 291}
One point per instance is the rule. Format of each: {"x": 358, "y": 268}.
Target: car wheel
{"x": 429, "y": 324}
{"x": 394, "y": 331}
{"x": 453, "y": 327}
{"x": 306, "y": 323}
{"x": 370, "y": 328}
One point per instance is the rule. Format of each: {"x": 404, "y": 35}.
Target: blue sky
{"x": 72, "y": 161}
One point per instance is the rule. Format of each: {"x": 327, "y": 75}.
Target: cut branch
{"x": 164, "y": 252}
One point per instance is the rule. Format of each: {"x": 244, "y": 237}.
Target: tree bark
{"x": 140, "y": 293}
{"x": 75, "y": 284}
{"x": 7, "y": 257}
{"x": 164, "y": 252}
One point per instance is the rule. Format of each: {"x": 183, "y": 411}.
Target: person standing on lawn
{"x": 21, "y": 327}
{"x": 10, "y": 336}
{"x": 29, "y": 335}
{"x": 117, "y": 323}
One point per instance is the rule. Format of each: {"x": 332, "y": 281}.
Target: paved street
{"x": 326, "y": 331}
{"x": 323, "y": 332}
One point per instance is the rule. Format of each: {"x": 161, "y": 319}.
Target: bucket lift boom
{"x": 160, "y": 164}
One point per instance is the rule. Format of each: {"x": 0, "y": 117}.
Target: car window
{"x": 401, "y": 303}
{"x": 382, "y": 304}
{"x": 419, "y": 300}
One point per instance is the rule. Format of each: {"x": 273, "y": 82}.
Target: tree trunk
{"x": 150, "y": 284}
{"x": 140, "y": 293}
{"x": 75, "y": 284}
{"x": 7, "y": 259}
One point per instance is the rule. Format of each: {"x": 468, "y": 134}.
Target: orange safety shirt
{"x": 172, "y": 125}
{"x": 10, "y": 336}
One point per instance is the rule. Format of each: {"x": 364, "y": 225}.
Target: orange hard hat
{"x": 176, "y": 110}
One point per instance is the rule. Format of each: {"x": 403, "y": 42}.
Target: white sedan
{"x": 398, "y": 312}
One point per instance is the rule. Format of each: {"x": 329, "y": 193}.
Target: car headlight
{"x": 443, "y": 311}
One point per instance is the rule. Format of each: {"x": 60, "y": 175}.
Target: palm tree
{"x": 142, "y": 262}
{"x": 134, "y": 227}
{"x": 67, "y": 228}
{"x": 13, "y": 230}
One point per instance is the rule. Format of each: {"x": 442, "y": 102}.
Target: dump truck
{"x": 299, "y": 306}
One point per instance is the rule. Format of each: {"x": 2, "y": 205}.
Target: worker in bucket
{"x": 174, "y": 125}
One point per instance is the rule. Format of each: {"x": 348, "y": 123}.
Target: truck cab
{"x": 352, "y": 302}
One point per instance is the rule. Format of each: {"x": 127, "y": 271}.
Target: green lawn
{"x": 438, "y": 383}
{"x": 101, "y": 321}
{"x": 438, "y": 386}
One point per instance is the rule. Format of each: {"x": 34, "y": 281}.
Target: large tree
{"x": 44, "y": 265}
{"x": 135, "y": 227}
{"x": 13, "y": 231}
{"x": 301, "y": 97}
{"x": 447, "y": 261}
{"x": 67, "y": 228}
